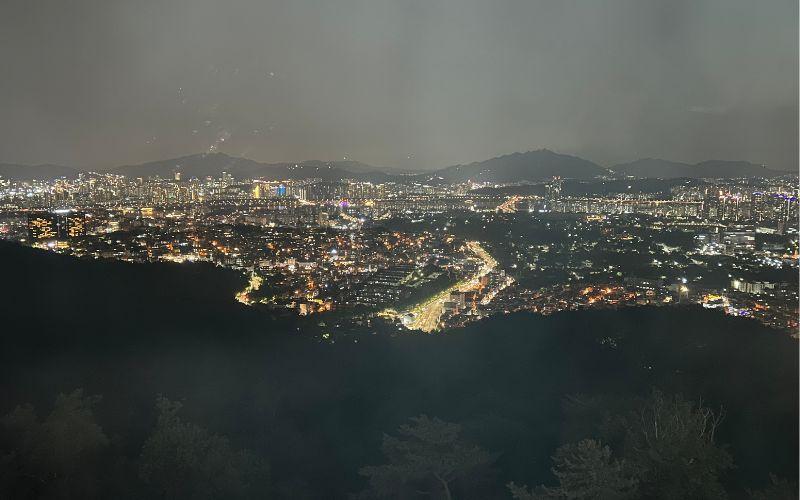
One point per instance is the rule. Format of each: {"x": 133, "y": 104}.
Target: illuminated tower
{"x": 711, "y": 204}
{"x": 73, "y": 225}
{"x": 553, "y": 193}
{"x": 59, "y": 225}
{"x": 42, "y": 226}
{"x": 758, "y": 206}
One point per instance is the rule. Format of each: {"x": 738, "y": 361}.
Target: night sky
{"x": 407, "y": 84}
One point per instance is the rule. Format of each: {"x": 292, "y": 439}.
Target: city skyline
{"x": 311, "y": 245}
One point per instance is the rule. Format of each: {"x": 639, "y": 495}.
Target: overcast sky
{"x": 410, "y": 84}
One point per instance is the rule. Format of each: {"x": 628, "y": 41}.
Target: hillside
{"x": 203, "y": 165}
{"x": 21, "y": 172}
{"x": 665, "y": 169}
{"x": 530, "y": 166}
{"x": 316, "y": 411}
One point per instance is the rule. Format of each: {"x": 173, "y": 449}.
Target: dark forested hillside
{"x": 310, "y": 413}
{"x": 529, "y": 166}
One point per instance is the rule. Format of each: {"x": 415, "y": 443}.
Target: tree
{"x": 56, "y": 456}
{"x": 426, "y": 459}
{"x": 777, "y": 489}
{"x": 671, "y": 443}
{"x": 668, "y": 452}
{"x": 585, "y": 471}
{"x": 183, "y": 460}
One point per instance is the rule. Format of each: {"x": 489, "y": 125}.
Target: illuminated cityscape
{"x": 399, "y": 250}
{"x": 361, "y": 248}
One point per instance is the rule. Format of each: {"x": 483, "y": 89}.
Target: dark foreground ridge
{"x": 312, "y": 413}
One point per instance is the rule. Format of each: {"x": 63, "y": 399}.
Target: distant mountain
{"x": 665, "y": 169}
{"x": 654, "y": 168}
{"x": 198, "y": 165}
{"x": 28, "y": 172}
{"x": 726, "y": 168}
{"x": 530, "y": 166}
{"x": 203, "y": 165}
{"x": 330, "y": 170}
{"x": 516, "y": 167}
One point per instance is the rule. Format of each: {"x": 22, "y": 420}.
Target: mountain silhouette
{"x": 530, "y": 166}
{"x": 665, "y": 169}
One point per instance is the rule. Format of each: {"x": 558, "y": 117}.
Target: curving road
{"x": 426, "y": 314}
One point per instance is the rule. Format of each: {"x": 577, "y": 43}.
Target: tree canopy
{"x": 426, "y": 458}
{"x": 668, "y": 451}
{"x": 54, "y": 456}
{"x": 183, "y": 460}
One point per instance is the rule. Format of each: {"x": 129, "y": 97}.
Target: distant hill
{"x": 28, "y": 172}
{"x": 198, "y": 165}
{"x": 203, "y": 165}
{"x": 516, "y": 167}
{"x": 726, "y": 168}
{"x": 530, "y": 166}
{"x": 665, "y": 169}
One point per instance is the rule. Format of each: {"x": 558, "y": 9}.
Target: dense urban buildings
{"x": 407, "y": 251}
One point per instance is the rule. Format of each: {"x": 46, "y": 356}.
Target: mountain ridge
{"x": 667, "y": 169}
{"x": 19, "y": 171}
{"x": 530, "y": 166}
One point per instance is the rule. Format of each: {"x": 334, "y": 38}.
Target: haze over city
{"x": 409, "y": 85}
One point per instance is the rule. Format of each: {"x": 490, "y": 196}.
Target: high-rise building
{"x": 326, "y": 191}
{"x": 711, "y": 204}
{"x": 73, "y": 224}
{"x": 739, "y": 242}
{"x": 758, "y": 206}
{"x": 553, "y": 194}
{"x": 58, "y": 225}
{"x": 553, "y": 189}
{"x": 42, "y": 226}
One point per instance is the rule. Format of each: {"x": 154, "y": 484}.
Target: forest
{"x": 150, "y": 381}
